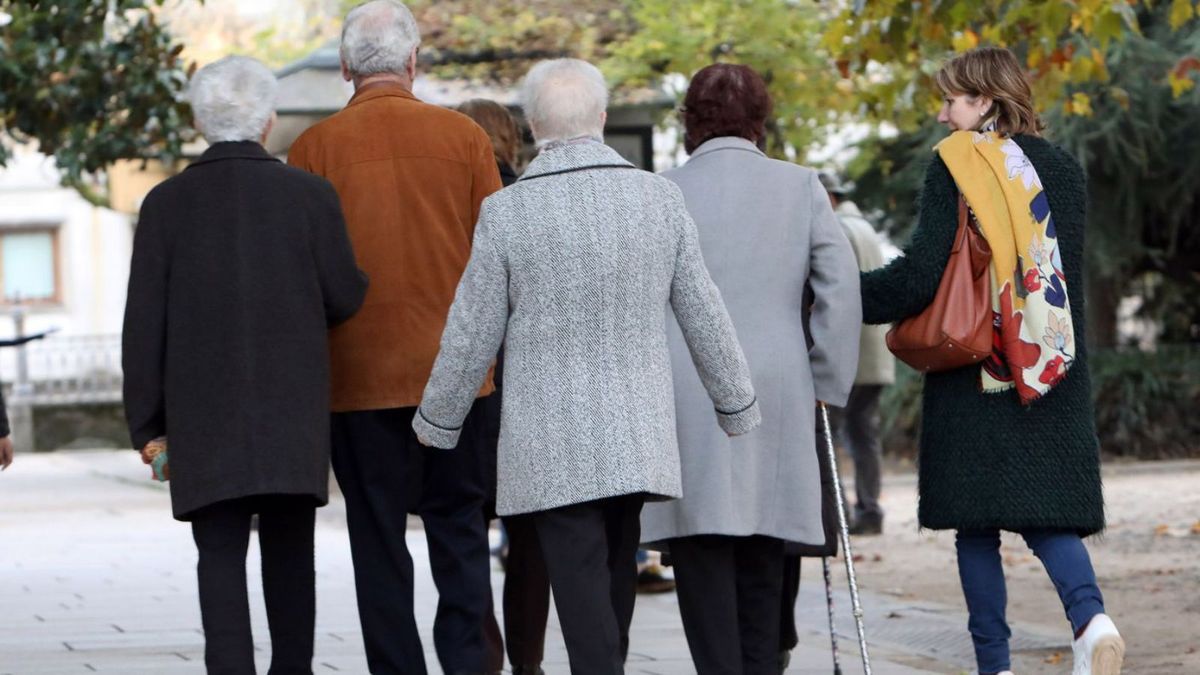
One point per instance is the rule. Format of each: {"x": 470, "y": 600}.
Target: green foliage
{"x": 900, "y": 413}
{"x": 775, "y": 38}
{"x": 889, "y": 50}
{"x": 1145, "y": 404}
{"x": 90, "y": 88}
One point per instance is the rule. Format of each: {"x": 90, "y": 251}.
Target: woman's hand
{"x": 6, "y": 452}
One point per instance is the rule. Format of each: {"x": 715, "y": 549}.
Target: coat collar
{"x": 233, "y": 150}
{"x": 380, "y": 89}
{"x": 573, "y": 156}
{"x": 726, "y": 143}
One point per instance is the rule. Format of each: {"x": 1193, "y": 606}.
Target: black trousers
{"x": 730, "y": 592}
{"x": 285, "y": 535}
{"x": 385, "y": 474}
{"x": 526, "y": 602}
{"x": 858, "y": 423}
{"x": 590, "y": 551}
{"x": 526, "y": 593}
{"x": 788, "y": 638}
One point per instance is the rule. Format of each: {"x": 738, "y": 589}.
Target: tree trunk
{"x": 1103, "y": 298}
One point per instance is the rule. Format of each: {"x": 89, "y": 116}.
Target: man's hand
{"x": 6, "y": 452}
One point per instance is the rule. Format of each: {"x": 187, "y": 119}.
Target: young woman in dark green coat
{"x": 1010, "y": 445}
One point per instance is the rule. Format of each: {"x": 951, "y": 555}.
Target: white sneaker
{"x": 1100, "y": 650}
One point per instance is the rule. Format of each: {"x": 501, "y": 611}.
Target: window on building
{"x": 29, "y": 265}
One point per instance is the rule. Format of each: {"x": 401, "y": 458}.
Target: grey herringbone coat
{"x": 573, "y": 268}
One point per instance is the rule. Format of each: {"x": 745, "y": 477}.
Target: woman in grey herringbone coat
{"x": 573, "y": 269}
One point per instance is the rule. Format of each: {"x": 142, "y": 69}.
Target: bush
{"x": 1147, "y": 404}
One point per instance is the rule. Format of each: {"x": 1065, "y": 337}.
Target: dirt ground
{"x": 1148, "y": 564}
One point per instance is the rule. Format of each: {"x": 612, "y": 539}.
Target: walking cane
{"x": 844, "y": 530}
{"x": 837, "y": 659}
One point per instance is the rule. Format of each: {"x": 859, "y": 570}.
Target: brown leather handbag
{"x": 955, "y": 330}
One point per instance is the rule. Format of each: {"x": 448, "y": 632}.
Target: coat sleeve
{"x": 144, "y": 336}
{"x": 836, "y": 312}
{"x": 907, "y": 285}
{"x": 708, "y": 330}
{"x": 343, "y": 284}
{"x": 474, "y": 331}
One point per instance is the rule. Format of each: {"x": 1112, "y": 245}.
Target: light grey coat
{"x": 574, "y": 272}
{"x": 766, "y": 230}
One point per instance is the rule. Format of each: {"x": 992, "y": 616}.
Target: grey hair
{"x": 378, "y": 37}
{"x": 233, "y": 99}
{"x": 564, "y": 99}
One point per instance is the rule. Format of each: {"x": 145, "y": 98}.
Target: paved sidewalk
{"x": 95, "y": 576}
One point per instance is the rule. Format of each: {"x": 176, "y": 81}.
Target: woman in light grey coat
{"x": 573, "y": 268}
{"x": 767, "y": 230}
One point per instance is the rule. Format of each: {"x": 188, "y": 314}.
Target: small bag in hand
{"x": 155, "y": 454}
{"x": 955, "y": 330}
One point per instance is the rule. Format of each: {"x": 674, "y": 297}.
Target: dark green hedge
{"x": 1147, "y": 404}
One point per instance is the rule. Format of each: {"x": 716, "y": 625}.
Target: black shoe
{"x": 785, "y": 659}
{"x": 535, "y": 669}
{"x": 867, "y": 525}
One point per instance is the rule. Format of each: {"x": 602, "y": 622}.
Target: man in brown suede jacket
{"x": 411, "y": 177}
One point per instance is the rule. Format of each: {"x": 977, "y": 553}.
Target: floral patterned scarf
{"x": 1033, "y": 339}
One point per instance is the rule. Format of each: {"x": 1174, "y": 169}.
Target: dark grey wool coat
{"x": 987, "y": 461}
{"x": 240, "y": 265}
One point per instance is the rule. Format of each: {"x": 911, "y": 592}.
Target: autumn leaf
{"x": 1162, "y": 530}
{"x": 1054, "y": 659}
{"x": 1181, "y": 12}
{"x": 1196, "y": 527}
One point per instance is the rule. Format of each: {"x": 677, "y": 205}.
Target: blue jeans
{"x": 1066, "y": 561}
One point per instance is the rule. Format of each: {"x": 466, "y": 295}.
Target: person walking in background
{"x": 858, "y": 422}
{"x": 767, "y": 231}
{"x": 572, "y": 269}
{"x": 240, "y": 264}
{"x": 526, "y": 603}
{"x": 411, "y": 177}
{"x": 1009, "y": 445}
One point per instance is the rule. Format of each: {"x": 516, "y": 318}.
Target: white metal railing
{"x": 68, "y": 369}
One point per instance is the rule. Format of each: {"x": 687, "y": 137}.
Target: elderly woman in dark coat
{"x": 767, "y": 231}
{"x": 1010, "y": 445}
{"x": 240, "y": 264}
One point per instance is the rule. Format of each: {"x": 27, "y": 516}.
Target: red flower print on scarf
{"x": 1054, "y": 371}
{"x": 1032, "y": 282}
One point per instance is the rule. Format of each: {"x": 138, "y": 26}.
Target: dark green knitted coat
{"x": 987, "y": 461}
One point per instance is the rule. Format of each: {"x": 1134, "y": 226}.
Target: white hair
{"x": 233, "y": 99}
{"x": 563, "y": 99}
{"x": 379, "y": 37}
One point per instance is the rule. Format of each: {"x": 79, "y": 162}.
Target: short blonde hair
{"x": 500, "y": 127}
{"x": 994, "y": 72}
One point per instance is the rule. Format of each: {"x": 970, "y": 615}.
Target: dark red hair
{"x": 725, "y": 100}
